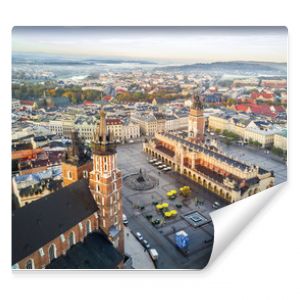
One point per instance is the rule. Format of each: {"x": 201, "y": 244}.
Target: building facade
{"x": 131, "y": 131}
{"x": 280, "y": 140}
{"x": 56, "y": 126}
{"x": 249, "y": 130}
{"x": 176, "y": 123}
{"x": 230, "y": 179}
{"x": 147, "y": 123}
{"x": 115, "y": 127}
{"x": 85, "y": 129}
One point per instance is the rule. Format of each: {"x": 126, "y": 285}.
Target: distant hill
{"x": 56, "y": 60}
{"x": 232, "y": 67}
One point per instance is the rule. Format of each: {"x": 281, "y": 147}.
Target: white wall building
{"x": 131, "y": 131}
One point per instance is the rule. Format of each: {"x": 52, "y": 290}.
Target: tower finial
{"x": 103, "y": 129}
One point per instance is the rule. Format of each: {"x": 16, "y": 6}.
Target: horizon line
{"x": 151, "y": 60}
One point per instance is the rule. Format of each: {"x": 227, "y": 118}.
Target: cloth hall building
{"x": 188, "y": 155}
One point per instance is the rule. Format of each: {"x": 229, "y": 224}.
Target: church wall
{"x": 41, "y": 261}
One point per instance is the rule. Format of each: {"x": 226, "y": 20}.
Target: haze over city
{"x": 167, "y": 45}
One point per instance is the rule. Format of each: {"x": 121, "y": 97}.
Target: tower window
{"x": 30, "y": 264}
{"x": 115, "y": 208}
{"x": 52, "y": 252}
{"x": 62, "y": 237}
{"x": 72, "y": 240}
{"x": 41, "y": 251}
{"x": 80, "y": 226}
{"x": 69, "y": 175}
{"x": 88, "y": 227}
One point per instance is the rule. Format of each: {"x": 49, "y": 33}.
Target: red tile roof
{"x": 27, "y": 102}
{"x": 87, "y": 103}
{"x": 107, "y": 98}
{"x": 262, "y": 109}
{"x": 121, "y": 90}
{"x": 264, "y": 95}
{"x": 255, "y": 95}
{"x": 267, "y": 95}
{"x": 113, "y": 122}
{"x": 279, "y": 108}
{"x": 241, "y": 107}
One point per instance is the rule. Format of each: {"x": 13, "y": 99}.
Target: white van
{"x": 153, "y": 253}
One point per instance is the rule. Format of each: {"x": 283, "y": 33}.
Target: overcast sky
{"x": 159, "y": 44}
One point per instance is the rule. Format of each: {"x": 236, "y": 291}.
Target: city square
{"x": 131, "y": 159}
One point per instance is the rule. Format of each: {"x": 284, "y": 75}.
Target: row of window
{"x": 52, "y": 251}
{"x": 85, "y": 174}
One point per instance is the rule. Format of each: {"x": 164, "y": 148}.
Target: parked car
{"x": 139, "y": 236}
{"x": 146, "y": 244}
{"x": 125, "y": 220}
{"x": 216, "y": 204}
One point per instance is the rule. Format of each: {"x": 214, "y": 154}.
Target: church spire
{"x": 103, "y": 128}
{"x": 102, "y": 139}
{"x": 198, "y": 102}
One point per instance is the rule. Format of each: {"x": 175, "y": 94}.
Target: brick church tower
{"x": 106, "y": 184}
{"x": 77, "y": 163}
{"x": 196, "y": 121}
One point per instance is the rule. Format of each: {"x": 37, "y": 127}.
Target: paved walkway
{"x": 140, "y": 258}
